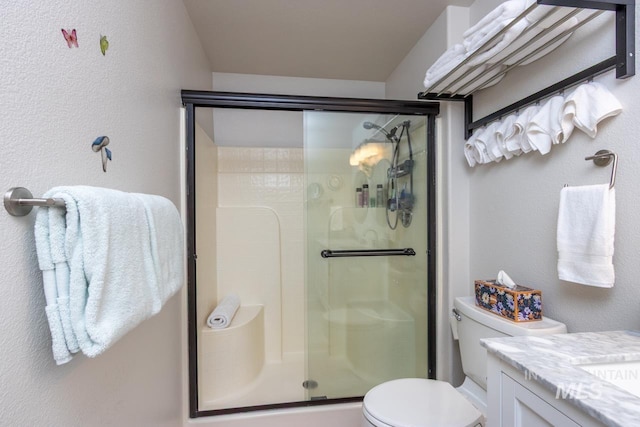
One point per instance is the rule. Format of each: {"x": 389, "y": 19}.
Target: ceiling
{"x": 331, "y": 39}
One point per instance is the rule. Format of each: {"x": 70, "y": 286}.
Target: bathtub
{"x": 338, "y": 415}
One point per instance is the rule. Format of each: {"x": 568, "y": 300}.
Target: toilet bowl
{"x": 419, "y": 402}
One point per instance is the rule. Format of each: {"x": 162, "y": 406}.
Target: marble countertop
{"x": 554, "y": 361}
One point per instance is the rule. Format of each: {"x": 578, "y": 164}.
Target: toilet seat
{"x": 418, "y": 402}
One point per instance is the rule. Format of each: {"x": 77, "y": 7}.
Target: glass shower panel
{"x": 366, "y": 251}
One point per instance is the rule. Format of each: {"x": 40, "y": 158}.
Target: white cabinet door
{"x": 523, "y": 408}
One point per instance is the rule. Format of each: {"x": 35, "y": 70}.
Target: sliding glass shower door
{"x": 366, "y": 203}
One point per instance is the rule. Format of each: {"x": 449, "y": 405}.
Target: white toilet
{"x": 418, "y": 402}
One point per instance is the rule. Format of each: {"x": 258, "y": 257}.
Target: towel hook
{"x": 603, "y": 158}
{"x": 19, "y": 201}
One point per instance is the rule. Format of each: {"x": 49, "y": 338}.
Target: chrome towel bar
{"x": 19, "y": 201}
{"x": 603, "y": 158}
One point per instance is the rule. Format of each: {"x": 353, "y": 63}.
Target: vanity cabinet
{"x": 518, "y": 400}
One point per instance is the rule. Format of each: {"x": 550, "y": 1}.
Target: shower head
{"x": 390, "y": 135}
{"x": 369, "y": 125}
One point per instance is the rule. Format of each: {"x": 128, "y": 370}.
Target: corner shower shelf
{"x": 463, "y": 81}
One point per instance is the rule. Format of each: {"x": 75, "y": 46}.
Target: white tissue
{"x": 504, "y": 279}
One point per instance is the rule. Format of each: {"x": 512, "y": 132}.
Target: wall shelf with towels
{"x": 556, "y": 24}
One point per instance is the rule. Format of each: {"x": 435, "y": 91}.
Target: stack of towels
{"x": 491, "y": 58}
{"x": 108, "y": 262}
{"x": 538, "y": 128}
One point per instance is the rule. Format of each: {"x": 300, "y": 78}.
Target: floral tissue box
{"x": 520, "y": 304}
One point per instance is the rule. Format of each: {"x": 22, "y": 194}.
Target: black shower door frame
{"x": 192, "y": 99}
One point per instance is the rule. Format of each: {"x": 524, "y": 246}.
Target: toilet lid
{"x": 417, "y": 402}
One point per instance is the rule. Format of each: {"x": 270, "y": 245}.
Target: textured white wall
{"x": 53, "y": 102}
{"x": 453, "y": 186}
{"x": 503, "y": 216}
{"x": 514, "y": 204}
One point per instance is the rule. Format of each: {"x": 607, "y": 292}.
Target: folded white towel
{"x": 587, "y": 106}
{"x": 517, "y": 141}
{"x": 494, "y": 21}
{"x": 544, "y": 128}
{"x": 120, "y": 268}
{"x": 491, "y": 55}
{"x": 445, "y": 63}
{"x": 522, "y": 45}
{"x": 222, "y": 315}
{"x": 586, "y": 228}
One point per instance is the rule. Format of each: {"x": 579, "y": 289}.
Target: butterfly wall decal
{"x": 104, "y": 44}
{"x": 71, "y": 38}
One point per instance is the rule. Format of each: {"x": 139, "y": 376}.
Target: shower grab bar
{"x": 328, "y": 253}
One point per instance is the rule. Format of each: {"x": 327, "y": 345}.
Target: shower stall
{"x": 319, "y": 214}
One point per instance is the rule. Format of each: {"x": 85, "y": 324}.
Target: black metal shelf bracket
{"x": 623, "y": 62}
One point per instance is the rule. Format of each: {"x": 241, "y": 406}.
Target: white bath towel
{"x": 585, "y": 236}
{"x": 444, "y": 64}
{"x": 517, "y": 141}
{"x": 61, "y": 353}
{"x": 587, "y": 106}
{"x": 544, "y": 128}
{"x": 119, "y": 273}
{"x": 492, "y": 53}
{"x": 493, "y": 22}
{"x": 222, "y": 315}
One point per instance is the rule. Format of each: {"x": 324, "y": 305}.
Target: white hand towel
{"x": 586, "y": 227}
{"x": 485, "y": 141}
{"x": 544, "y": 128}
{"x": 587, "y": 106}
{"x": 61, "y": 353}
{"x": 506, "y": 128}
{"x": 476, "y": 153}
{"x": 115, "y": 279}
{"x": 517, "y": 142}
{"x": 222, "y": 315}
{"x": 470, "y": 150}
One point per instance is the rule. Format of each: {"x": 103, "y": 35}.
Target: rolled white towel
{"x": 222, "y": 315}
{"x": 544, "y": 128}
{"x": 517, "y": 140}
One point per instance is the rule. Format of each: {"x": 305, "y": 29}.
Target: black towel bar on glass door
{"x": 19, "y": 201}
{"x": 328, "y": 253}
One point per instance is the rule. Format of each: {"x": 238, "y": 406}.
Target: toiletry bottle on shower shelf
{"x": 379, "y": 195}
{"x": 392, "y": 198}
{"x": 365, "y": 195}
{"x": 359, "y": 199}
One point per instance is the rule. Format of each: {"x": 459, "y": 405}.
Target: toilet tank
{"x": 476, "y": 324}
